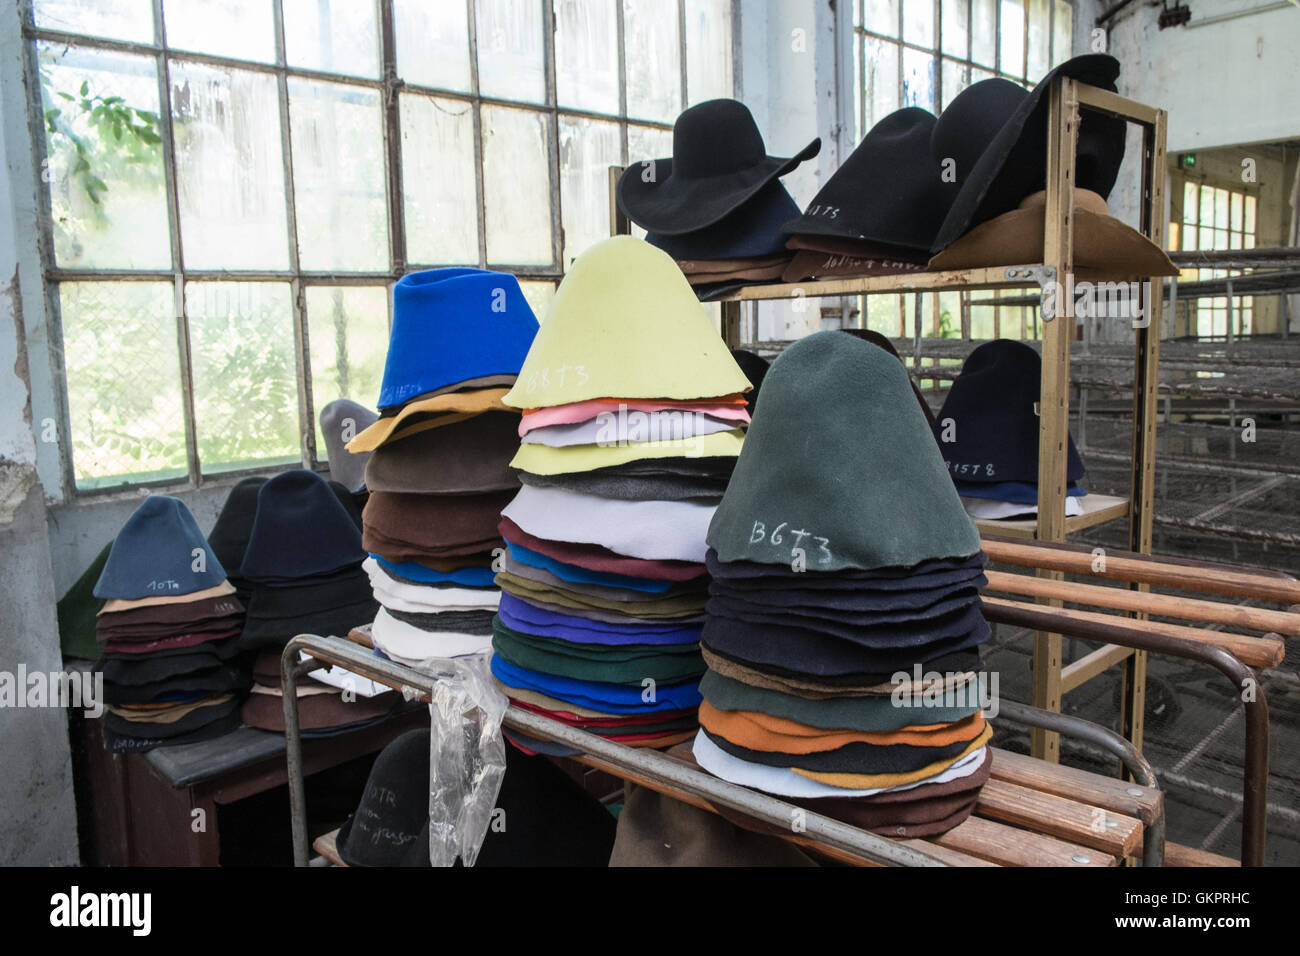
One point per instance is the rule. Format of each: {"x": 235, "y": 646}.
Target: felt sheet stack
{"x": 633, "y": 412}
{"x": 168, "y": 626}
{"x": 843, "y": 621}
{"x": 439, "y": 473}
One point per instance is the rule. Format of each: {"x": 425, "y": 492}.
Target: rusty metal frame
{"x": 670, "y": 776}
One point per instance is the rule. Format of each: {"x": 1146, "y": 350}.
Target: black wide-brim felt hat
{"x": 890, "y": 190}
{"x": 755, "y": 368}
{"x": 718, "y": 162}
{"x": 996, "y": 132}
{"x": 754, "y": 229}
{"x": 994, "y": 427}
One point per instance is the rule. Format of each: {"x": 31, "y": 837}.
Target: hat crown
{"x": 840, "y": 462}
{"x": 714, "y": 138}
{"x": 625, "y": 323}
{"x": 159, "y": 551}
{"x": 965, "y": 129}
{"x": 301, "y": 529}
{"x": 450, "y": 325}
{"x": 394, "y": 810}
{"x": 991, "y": 403}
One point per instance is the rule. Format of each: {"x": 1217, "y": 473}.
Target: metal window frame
{"x": 389, "y": 86}
{"x": 1232, "y": 313}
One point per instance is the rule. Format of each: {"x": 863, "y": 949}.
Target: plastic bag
{"x": 467, "y": 756}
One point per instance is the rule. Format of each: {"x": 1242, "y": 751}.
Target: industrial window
{"x": 1216, "y": 218}
{"x": 233, "y": 184}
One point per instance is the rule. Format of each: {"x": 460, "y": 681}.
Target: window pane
{"x": 708, "y": 50}
{"x": 229, "y": 168}
{"x": 587, "y": 150}
{"x": 334, "y": 36}
{"x": 646, "y": 142}
{"x": 1235, "y": 213}
{"x": 245, "y": 376}
{"x": 509, "y": 37}
{"x": 1207, "y": 206}
{"x": 882, "y": 79}
{"x": 347, "y": 328}
{"x": 1062, "y": 32}
{"x": 918, "y": 79}
{"x": 955, "y": 79}
{"x": 241, "y": 29}
{"x": 119, "y": 20}
{"x": 882, "y": 17}
{"x": 984, "y": 31}
{"x": 432, "y": 43}
{"x": 1189, "y": 202}
{"x": 653, "y": 60}
{"x": 1250, "y": 218}
{"x": 1040, "y": 53}
{"x": 918, "y": 22}
{"x": 859, "y": 116}
{"x": 976, "y": 74}
{"x": 1012, "y": 47}
{"x": 338, "y": 176}
{"x": 538, "y": 295}
{"x": 517, "y": 184}
{"x": 124, "y": 382}
{"x": 104, "y": 159}
{"x": 438, "y": 181}
{"x": 1234, "y": 240}
{"x": 1221, "y": 208}
{"x": 956, "y": 30}
{"x": 586, "y": 54}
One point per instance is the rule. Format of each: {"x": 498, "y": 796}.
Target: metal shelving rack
{"x": 1065, "y": 99}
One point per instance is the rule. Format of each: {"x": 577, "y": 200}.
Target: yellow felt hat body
{"x": 624, "y": 323}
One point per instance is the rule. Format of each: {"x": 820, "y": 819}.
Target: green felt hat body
{"x": 839, "y": 468}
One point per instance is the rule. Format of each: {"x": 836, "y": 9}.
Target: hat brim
{"x": 1094, "y": 69}
{"x": 1103, "y": 245}
{"x": 444, "y": 409}
{"x": 671, "y": 206}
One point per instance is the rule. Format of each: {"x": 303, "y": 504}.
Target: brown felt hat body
{"x": 1102, "y": 244}
{"x": 466, "y": 457}
{"x": 442, "y": 525}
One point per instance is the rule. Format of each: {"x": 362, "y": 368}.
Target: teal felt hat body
{"x": 839, "y": 469}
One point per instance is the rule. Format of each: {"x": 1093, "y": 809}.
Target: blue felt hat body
{"x": 159, "y": 551}
{"x": 450, "y": 325}
{"x": 301, "y": 530}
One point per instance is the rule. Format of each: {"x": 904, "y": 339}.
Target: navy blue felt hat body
{"x": 159, "y": 551}
{"x": 450, "y": 325}
{"x": 754, "y": 229}
{"x": 301, "y": 530}
{"x": 994, "y": 427}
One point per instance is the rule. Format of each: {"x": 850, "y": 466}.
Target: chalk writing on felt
{"x": 168, "y": 585}
{"x": 970, "y": 469}
{"x": 783, "y": 535}
{"x": 566, "y": 374}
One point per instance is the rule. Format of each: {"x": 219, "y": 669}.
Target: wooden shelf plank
{"x": 1097, "y": 509}
{"x": 1062, "y": 817}
{"x": 1008, "y": 846}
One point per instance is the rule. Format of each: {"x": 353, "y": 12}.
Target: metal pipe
{"x": 832, "y": 833}
{"x": 1255, "y": 771}
{"x": 1153, "y": 832}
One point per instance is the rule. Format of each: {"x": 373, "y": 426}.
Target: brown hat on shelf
{"x": 1102, "y": 243}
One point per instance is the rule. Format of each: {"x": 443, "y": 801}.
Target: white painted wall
{"x": 1224, "y": 83}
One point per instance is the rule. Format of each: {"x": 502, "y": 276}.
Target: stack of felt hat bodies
{"x": 994, "y": 135}
{"x": 439, "y": 473}
{"x": 303, "y": 564}
{"x": 717, "y": 205}
{"x": 633, "y": 413}
{"x": 879, "y": 212}
{"x": 843, "y": 620}
{"x": 988, "y": 434}
{"x": 168, "y": 630}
